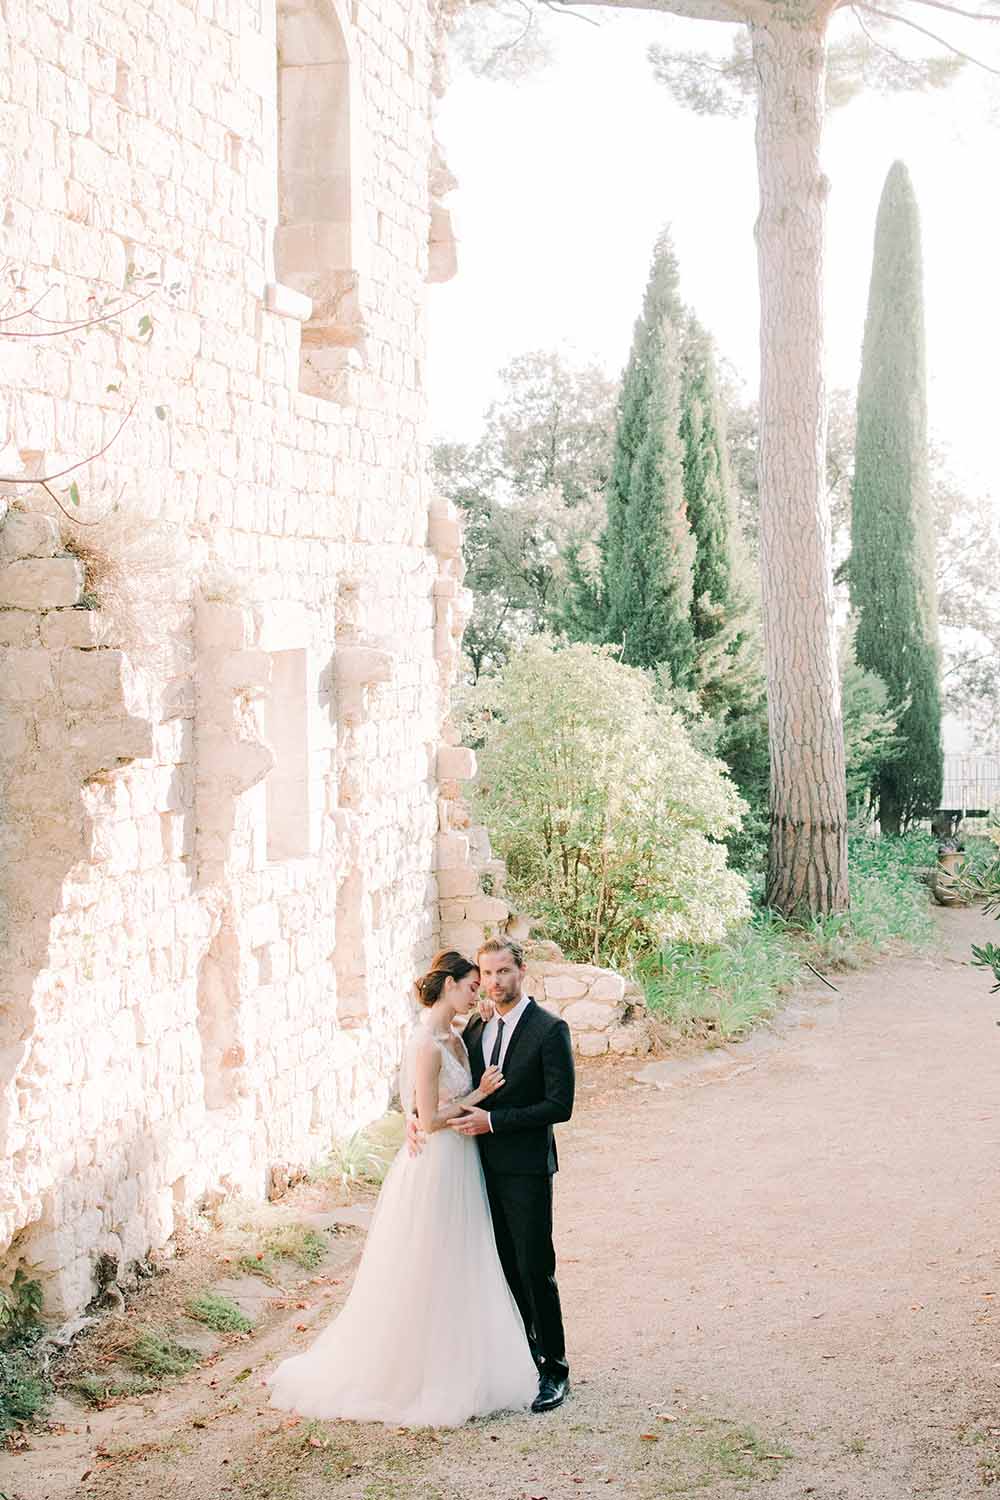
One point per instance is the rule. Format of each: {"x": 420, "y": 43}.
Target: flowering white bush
{"x": 603, "y": 809}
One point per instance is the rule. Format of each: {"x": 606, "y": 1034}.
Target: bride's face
{"x": 465, "y": 992}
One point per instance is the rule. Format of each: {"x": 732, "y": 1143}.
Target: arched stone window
{"x": 320, "y": 218}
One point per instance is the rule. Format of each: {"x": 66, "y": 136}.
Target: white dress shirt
{"x": 510, "y": 1021}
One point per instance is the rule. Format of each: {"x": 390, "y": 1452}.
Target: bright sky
{"x": 566, "y": 178}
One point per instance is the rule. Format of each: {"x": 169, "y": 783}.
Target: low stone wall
{"x": 604, "y": 1011}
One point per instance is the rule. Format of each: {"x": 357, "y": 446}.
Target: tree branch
{"x": 904, "y": 62}
{"x": 887, "y": 15}
{"x": 46, "y": 479}
{"x": 955, "y": 10}
{"x": 693, "y": 10}
{"x": 62, "y": 328}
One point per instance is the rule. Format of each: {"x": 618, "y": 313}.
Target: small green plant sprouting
{"x": 354, "y": 1159}
{"x": 218, "y": 1313}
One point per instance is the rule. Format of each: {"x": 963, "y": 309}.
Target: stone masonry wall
{"x": 220, "y": 838}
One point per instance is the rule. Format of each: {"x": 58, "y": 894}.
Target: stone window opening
{"x": 320, "y": 220}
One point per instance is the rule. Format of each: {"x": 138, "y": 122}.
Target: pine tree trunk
{"x": 807, "y": 862}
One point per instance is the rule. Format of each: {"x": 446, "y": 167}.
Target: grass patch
{"x": 99, "y": 1388}
{"x": 297, "y": 1242}
{"x": 156, "y": 1356}
{"x": 722, "y": 992}
{"x": 274, "y": 1471}
{"x": 719, "y": 993}
{"x": 706, "y": 1452}
{"x": 218, "y": 1313}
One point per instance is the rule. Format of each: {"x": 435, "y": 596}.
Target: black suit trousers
{"x": 521, "y": 1206}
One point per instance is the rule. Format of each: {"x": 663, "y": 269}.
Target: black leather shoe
{"x": 551, "y": 1393}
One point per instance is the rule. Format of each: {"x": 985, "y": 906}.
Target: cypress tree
{"x": 648, "y": 549}
{"x": 891, "y": 568}
{"x": 727, "y": 665}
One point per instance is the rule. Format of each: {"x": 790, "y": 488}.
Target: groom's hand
{"x": 414, "y": 1136}
{"x": 474, "y": 1121}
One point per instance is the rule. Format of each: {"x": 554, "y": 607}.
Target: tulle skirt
{"x": 430, "y": 1334}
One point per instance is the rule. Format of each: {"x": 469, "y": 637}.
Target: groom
{"x": 532, "y": 1048}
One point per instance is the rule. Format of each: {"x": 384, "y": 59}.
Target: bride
{"x": 430, "y": 1334}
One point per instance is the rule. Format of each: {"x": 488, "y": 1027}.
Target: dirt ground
{"x": 779, "y": 1266}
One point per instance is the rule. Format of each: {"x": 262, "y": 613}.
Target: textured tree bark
{"x": 807, "y": 861}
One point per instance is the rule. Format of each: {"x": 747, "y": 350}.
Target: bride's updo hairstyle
{"x": 445, "y": 965}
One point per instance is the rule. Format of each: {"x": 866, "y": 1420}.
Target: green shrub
{"x": 25, "y": 1388}
{"x": 219, "y": 1313}
{"x": 608, "y": 817}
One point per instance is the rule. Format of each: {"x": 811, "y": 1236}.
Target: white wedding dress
{"x": 430, "y": 1334}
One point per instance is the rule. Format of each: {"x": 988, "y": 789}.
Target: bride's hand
{"x": 491, "y": 1080}
{"x": 486, "y": 1008}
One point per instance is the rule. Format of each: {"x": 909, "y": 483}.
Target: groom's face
{"x": 500, "y": 977}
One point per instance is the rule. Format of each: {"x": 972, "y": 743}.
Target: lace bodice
{"x": 454, "y": 1080}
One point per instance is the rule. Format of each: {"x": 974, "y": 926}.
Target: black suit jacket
{"x": 537, "y": 1093}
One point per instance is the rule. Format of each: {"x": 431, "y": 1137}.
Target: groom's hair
{"x": 503, "y": 945}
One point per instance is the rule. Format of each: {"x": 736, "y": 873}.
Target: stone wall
{"x": 220, "y": 836}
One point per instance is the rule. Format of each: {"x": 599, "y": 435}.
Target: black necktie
{"x": 495, "y": 1055}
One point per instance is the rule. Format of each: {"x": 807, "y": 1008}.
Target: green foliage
{"x": 531, "y": 495}
{"x": 890, "y": 909}
{"x": 728, "y": 667}
{"x": 25, "y": 1388}
{"x": 721, "y": 991}
{"x": 983, "y": 884}
{"x": 648, "y": 546}
{"x": 20, "y": 1307}
{"x": 891, "y": 567}
{"x": 870, "y": 738}
{"x": 607, "y": 816}
{"x": 219, "y": 1313}
{"x": 725, "y": 990}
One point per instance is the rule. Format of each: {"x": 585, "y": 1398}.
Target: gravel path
{"x": 779, "y": 1273}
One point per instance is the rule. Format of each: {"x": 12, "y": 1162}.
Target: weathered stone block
{"x": 487, "y": 909}
{"x": 41, "y": 583}
{"x": 564, "y": 987}
{"x": 25, "y": 675}
{"x": 18, "y": 627}
{"x": 452, "y": 851}
{"x": 458, "y": 882}
{"x": 70, "y": 627}
{"x": 590, "y": 1044}
{"x": 608, "y": 987}
{"x": 456, "y": 763}
{"x": 356, "y": 666}
{"x": 589, "y": 1015}
{"x": 25, "y": 533}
